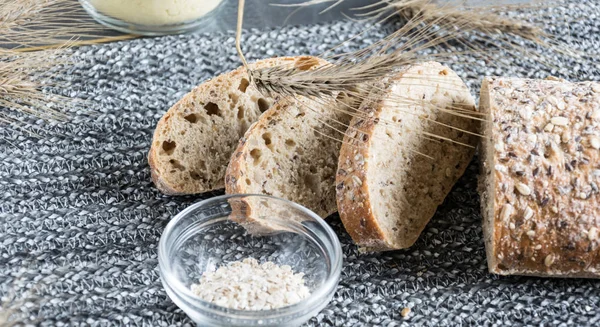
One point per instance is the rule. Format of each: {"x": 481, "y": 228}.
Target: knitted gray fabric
{"x": 80, "y": 219}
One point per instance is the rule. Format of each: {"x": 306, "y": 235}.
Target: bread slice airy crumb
{"x": 291, "y": 153}
{"x": 387, "y": 189}
{"x": 194, "y": 140}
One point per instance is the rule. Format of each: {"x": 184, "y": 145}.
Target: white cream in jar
{"x": 155, "y": 12}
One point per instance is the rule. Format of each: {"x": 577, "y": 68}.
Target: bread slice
{"x": 291, "y": 153}
{"x": 387, "y": 190}
{"x": 540, "y": 174}
{"x": 194, "y": 140}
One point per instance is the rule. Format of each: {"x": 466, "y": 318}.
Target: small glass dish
{"x": 154, "y": 17}
{"x": 230, "y": 228}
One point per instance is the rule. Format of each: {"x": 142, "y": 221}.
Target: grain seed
{"x": 549, "y": 260}
{"x": 559, "y": 121}
{"x": 503, "y": 169}
{"x": 405, "y": 312}
{"x": 523, "y": 189}
{"x": 526, "y": 113}
{"x": 506, "y": 212}
{"x": 499, "y": 146}
{"x": 594, "y": 142}
{"x": 592, "y": 234}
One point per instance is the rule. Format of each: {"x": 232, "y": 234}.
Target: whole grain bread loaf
{"x": 291, "y": 153}
{"x": 393, "y": 174}
{"x": 540, "y": 175}
{"x": 194, "y": 140}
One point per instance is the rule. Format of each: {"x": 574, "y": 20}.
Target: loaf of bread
{"x": 540, "y": 176}
{"x": 194, "y": 140}
{"x": 393, "y": 173}
{"x": 291, "y": 153}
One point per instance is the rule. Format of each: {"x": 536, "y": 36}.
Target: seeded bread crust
{"x": 540, "y": 177}
{"x": 194, "y": 140}
{"x": 290, "y": 153}
{"x": 386, "y": 192}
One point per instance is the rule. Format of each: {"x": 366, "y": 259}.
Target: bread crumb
{"x": 405, "y": 312}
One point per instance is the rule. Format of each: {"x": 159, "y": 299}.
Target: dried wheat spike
{"x": 30, "y": 23}
{"x": 26, "y": 83}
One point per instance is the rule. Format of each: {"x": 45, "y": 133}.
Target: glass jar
{"x": 154, "y": 17}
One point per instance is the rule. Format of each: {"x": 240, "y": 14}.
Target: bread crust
{"x": 354, "y": 208}
{"x": 539, "y": 181}
{"x": 173, "y": 184}
{"x": 355, "y": 198}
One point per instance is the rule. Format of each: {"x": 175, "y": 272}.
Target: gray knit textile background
{"x": 80, "y": 219}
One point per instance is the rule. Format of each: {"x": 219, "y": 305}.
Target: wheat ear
{"x": 26, "y": 84}
{"x": 33, "y": 23}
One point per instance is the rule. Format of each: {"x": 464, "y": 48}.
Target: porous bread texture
{"x": 194, "y": 140}
{"x": 540, "y": 175}
{"x": 291, "y": 153}
{"x": 387, "y": 189}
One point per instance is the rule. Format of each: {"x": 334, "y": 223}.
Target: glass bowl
{"x": 154, "y": 17}
{"x": 229, "y": 228}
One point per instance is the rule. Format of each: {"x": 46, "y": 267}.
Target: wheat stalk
{"x": 429, "y": 26}
{"x": 26, "y": 81}
{"x": 29, "y": 23}
{"x": 431, "y": 32}
{"x": 482, "y": 18}
{"x": 436, "y": 26}
{"x": 353, "y": 70}
{"x": 356, "y": 73}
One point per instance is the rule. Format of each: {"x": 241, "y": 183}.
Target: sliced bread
{"x": 194, "y": 140}
{"x": 292, "y": 153}
{"x": 393, "y": 174}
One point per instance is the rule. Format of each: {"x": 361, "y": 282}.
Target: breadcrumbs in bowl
{"x": 249, "y": 260}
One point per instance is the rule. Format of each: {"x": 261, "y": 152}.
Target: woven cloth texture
{"x": 80, "y": 219}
